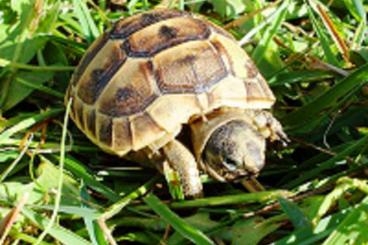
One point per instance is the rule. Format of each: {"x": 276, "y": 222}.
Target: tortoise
{"x": 140, "y": 82}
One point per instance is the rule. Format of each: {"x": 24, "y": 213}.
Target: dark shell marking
{"x": 91, "y": 122}
{"x": 167, "y": 32}
{"x": 91, "y": 86}
{"x": 135, "y": 96}
{"x": 91, "y": 53}
{"x": 105, "y": 130}
{"x": 126, "y": 27}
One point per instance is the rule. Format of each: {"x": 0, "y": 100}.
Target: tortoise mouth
{"x": 225, "y": 175}
{"x": 238, "y": 175}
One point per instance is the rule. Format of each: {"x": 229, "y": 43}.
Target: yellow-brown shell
{"x": 154, "y": 72}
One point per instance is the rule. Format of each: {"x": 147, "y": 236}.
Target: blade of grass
{"x": 330, "y": 56}
{"x": 9, "y": 220}
{"x": 295, "y": 214}
{"x": 118, "y": 206}
{"x": 11, "y": 166}
{"x": 356, "y": 8}
{"x": 330, "y": 26}
{"x": 329, "y": 98}
{"x": 191, "y": 233}
{"x": 25, "y": 23}
{"x": 322, "y": 230}
{"x": 334, "y": 161}
{"x": 78, "y": 211}
{"x": 166, "y": 4}
{"x": 26, "y": 123}
{"x": 89, "y": 28}
{"x": 82, "y": 172}
{"x": 94, "y": 231}
{"x": 61, "y": 175}
{"x": 352, "y": 229}
{"x": 60, "y": 233}
{"x": 24, "y": 237}
{"x": 248, "y": 16}
{"x": 41, "y": 88}
{"x": 302, "y": 76}
{"x": 278, "y": 18}
{"x": 360, "y": 34}
{"x": 4, "y": 62}
{"x": 260, "y": 197}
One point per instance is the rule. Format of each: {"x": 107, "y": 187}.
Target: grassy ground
{"x": 315, "y": 57}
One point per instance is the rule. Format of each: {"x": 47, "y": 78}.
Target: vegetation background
{"x": 56, "y": 187}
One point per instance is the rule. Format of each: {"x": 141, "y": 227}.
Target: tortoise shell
{"x": 155, "y": 71}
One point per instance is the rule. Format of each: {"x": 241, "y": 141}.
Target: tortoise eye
{"x": 230, "y": 164}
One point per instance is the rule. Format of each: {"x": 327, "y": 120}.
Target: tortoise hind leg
{"x": 182, "y": 161}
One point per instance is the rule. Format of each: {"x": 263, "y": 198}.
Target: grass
{"x": 57, "y": 187}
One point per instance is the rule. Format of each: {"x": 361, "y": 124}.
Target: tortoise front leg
{"x": 182, "y": 161}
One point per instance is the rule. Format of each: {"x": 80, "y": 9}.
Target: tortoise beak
{"x": 252, "y": 166}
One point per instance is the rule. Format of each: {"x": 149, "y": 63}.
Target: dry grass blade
{"x": 106, "y": 231}
{"x": 166, "y": 4}
{"x": 7, "y": 223}
{"x": 343, "y": 48}
{"x": 248, "y": 16}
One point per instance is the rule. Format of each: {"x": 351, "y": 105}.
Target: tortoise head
{"x": 234, "y": 150}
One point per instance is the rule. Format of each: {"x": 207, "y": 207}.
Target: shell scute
{"x": 126, "y": 27}
{"x": 122, "y": 135}
{"x": 92, "y": 51}
{"x": 165, "y": 34}
{"x": 243, "y": 67}
{"x": 100, "y": 71}
{"x": 130, "y": 91}
{"x": 104, "y": 129}
{"x": 144, "y": 131}
{"x": 189, "y": 68}
{"x": 91, "y": 122}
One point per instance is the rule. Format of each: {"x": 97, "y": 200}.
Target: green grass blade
{"x": 26, "y": 123}
{"x": 325, "y": 42}
{"x": 41, "y": 88}
{"x": 296, "y": 216}
{"x": 245, "y": 198}
{"x": 330, "y": 163}
{"x": 11, "y": 166}
{"x": 329, "y": 98}
{"x": 353, "y": 229}
{"x": 26, "y": 238}
{"x": 89, "y": 28}
{"x": 61, "y": 176}
{"x": 119, "y": 205}
{"x": 65, "y": 236}
{"x": 264, "y": 43}
{"x": 94, "y": 231}
{"x": 302, "y": 76}
{"x": 82, "y": 172}
{"x": 78, "y": 211}
{"x": 360, "y": 34}
{"x": 356, "y": 8}
{"x": 323, "y": 229}
{"x": 191, "y": 233}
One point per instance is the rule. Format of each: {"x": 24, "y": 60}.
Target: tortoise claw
{"x": 271, "y": 128}
{"x": 283, "y": 138}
